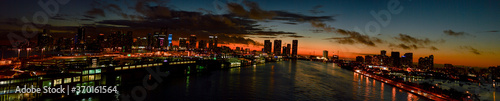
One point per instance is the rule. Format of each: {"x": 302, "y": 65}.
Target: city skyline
{"x": 459, "y": 33}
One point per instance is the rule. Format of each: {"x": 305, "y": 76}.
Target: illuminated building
{"x": 407, "y": 60}
{"x": 169, "y": 40}
{"x": 182, "y": 43}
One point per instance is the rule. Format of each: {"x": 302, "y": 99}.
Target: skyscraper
{"x": 368, "y": 59}
{"x": 288, "y": 46}
{"x": 283, "y": 52}
{"x": 359, "y": 59}
{"x": 169, "y": 40}
{"x": 396, "y": 61}
{"x": 294, "y": 48}
{"x": 192, "y": 42}
{"x": 202, "y": 44}
{"x": 80, "y": 38}
{"x": 277, "y": 47}
{"x": 212, "y": 42}
{"x": 325, "y": 54}
{"x": 267, "y": 46}
{"x": 383, "y": 52}
{"x": 182, "y": 43}
{"x": 407, "y": 59}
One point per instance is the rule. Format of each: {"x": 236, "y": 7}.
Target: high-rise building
{"x": 368, "y": 59}
{"x": 283, "y": 52}
{"x": 288, "y": 46}
{"x": 383, "y": 52}
{"x": 212, "y": 42}
{"x": 192, "y": 42}
{"x": 277, "y": 47}
{"x": 127, "y": 42}
{"x": 202, "y": 44}
{"x": 294, "y": 48}
{"x": 267, "y": 46}
{"x": 325, "y": 54}
{"x": 80, "y": 38}
{"x": 407, "y": 60}
{"x": 169, "y": 40}
{"x": 396, "y": 61}
{"x": 360, "y": 59}
{"x": 182, "y": 43}
{"x": 426, "y": 62}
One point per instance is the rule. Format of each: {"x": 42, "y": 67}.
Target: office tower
{"x": 127, "y": 42}
{"x": 383, "y": 53}
{"x": 212, "y": 42}
{"x": 192, "y": 42}
{"x": 288, "y": 46}
{"x": 202, "y": 44}
{"x": 368, "y": 59}
{"x": 182, "y": 43}
{"x": 360, "y": 59}
{"x": 325, "y": 54}
{"x": 267, "y": 46}
{"x": 396, "y": 61}
{"x": 43, "y": 39}
{"x": 80, "y": 38}
{"x": 426, "y": 62}
{"x": 169, "y": 40}
{"x": 431, "y": 62}
{"x": 277, "y": 47}
{"x": 294, "y": 48}
{"x": 284, "y": 51}
{"x": 407, "y": 59}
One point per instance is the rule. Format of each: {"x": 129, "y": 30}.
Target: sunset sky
{"x": 460, "y": 32}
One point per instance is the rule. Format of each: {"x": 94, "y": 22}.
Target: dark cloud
{"x": 58, "y": 17}
{"x": 493, "y": 31}
{"x": 433, "y": 48}
{"x": 95, "y": 12}
{"x": 267, "y": 37}
{"x": 352, "y": 36}
{"x": 254, "y": 13}
{"x": 315, "y": 9}
{"x": 296, "y": 36}
{"x": 225, "y": 39}
{"x": 409, "y": 39}
{"x": 453, "y": 33}
{"x": 403, "y": 46}
{"x": 271, "y": 33}
{"x": 471, "y": 49}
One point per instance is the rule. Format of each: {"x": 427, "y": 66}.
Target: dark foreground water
{"x": 286, "y": 80}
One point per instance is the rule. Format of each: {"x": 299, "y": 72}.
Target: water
{"x": 286, "y": 80}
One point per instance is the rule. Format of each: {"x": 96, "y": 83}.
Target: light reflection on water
{"x": 286, "y": 80}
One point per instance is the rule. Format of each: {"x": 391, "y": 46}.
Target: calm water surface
{"x": 286, "y": 80}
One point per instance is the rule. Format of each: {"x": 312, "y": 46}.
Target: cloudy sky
{"x": 459, "y": 32}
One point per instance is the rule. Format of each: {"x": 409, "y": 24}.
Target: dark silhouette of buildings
{"x": 294, "y": 48}
{"x": 396, "y": 60}
{"x": 426, "y": 62}
{"x": 267, "y": 46}
{"x": 192, "y": 42}
{"x": 277, "y": 47}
